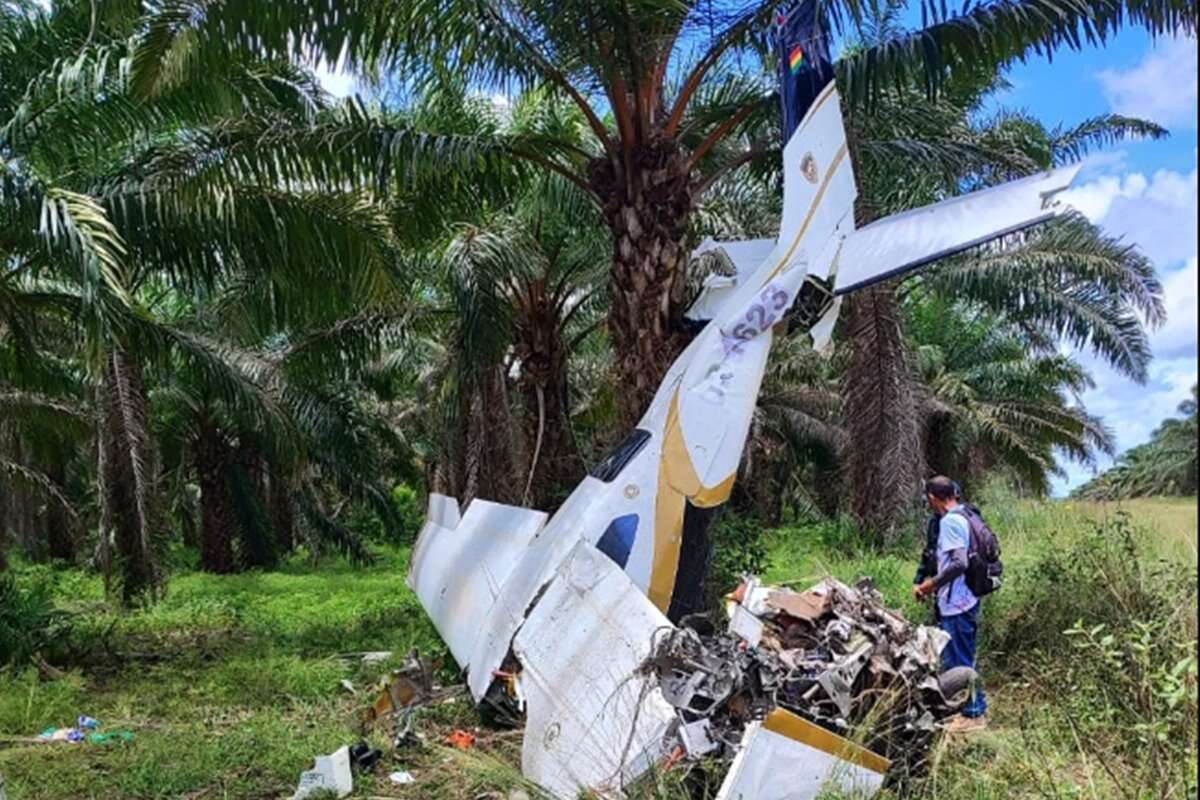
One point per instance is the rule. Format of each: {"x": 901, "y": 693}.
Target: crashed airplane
{"x": 560, "y": 611}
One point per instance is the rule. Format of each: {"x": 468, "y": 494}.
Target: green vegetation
{"x": 1165, "y": 465}
{"x": 234, "y": 310}
{"x": 231, "y": 684}
{"x": 246, "y": 327}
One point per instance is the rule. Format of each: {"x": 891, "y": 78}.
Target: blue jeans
{"x": 960, "y": 652}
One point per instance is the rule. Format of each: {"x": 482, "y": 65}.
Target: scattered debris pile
{"x": 834, "y": 655}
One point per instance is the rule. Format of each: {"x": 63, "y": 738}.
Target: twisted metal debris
{"x": 834, "y": 655}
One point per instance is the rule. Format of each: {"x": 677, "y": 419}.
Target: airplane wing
{"x": 910, "y": 240}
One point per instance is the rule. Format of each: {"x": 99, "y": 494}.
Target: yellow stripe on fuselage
{"x": 677, "y": 476}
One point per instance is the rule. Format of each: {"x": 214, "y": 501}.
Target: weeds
{"x": 233, "y": 683}
{"x": 30, "y": 624}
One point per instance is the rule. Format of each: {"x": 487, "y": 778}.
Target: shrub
{"x": 1107, "y": 633}
{"x": 365, "y": 524}
{"x": 739, "y": 548}
{"x": 411, "y": 510}
{"x": 1104, "y": 574}
{"x": 30, "y": 625}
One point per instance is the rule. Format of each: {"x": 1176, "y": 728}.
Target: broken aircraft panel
{"x": 590, "y": 724}
{"x": 816, "y": 760}
{"x": 457, "y": 572}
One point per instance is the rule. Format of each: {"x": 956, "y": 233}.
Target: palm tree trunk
{"x": 5, "y": 495}
{"x": 646, "y": 206}
{"x": 26, "y": 532}
{"x": 257, "y": 548}
{"x": 217, "y": 517}
{"x": 884, "y": 458}
{"x": 185, "y": 513}
{"x": 60, "y": 535}
{"x": 283, "y": 519}
{"x": 552, "y": 464}
{"x": 482, "y": 452}
{"x": 127, "y": 465}
{"x": 827, "y": 489}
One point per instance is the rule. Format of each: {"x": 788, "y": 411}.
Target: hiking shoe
{"x": 960, "y": 724}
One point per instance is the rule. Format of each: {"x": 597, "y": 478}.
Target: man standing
{"x": 928, "y": 566}
{"x": 957, "y": 606}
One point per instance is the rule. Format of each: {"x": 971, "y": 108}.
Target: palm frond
{"x": 1074, "y": 143}
{"x": 995, "y": 34}
{"x": 1069, "y": 278}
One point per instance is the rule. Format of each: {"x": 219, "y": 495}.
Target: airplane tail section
{"x": 818, "y": 179}
{"x": 805, "y": 68}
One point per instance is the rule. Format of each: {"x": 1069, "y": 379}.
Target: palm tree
{"x": 43, "y": 415}
{"x": 523, "y": 285}
{"x": 1065, "y": 280}
{"x": 1165, "y": 465}
{"x": 662, "y": 88}
{"x": 112, "y": 196}
{"x": 266, "y": 435}
{"x": 988, "y": 401}
{"x": 990, "y": 398}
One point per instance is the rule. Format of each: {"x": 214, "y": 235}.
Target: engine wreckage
{"x": 570, "y": 616}
{"x": 833, "y": 656}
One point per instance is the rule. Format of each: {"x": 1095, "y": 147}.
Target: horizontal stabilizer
{"x": 744, "y": 256}
{"x": 904, "y": 242}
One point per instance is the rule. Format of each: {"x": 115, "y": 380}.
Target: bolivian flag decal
{"x": 796, "y": 59}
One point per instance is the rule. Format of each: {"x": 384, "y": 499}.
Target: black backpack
{"x": 985, "y": 570}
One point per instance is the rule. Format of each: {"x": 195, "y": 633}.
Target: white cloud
{"x": 1161, "y": 88}
{"x": 1157, "y": 213}
{"x": 335, "y": 81}
{"x": 1108, "y": 162}
{"x": 1094, "y": 199}
{"x": 1177, "y": 337}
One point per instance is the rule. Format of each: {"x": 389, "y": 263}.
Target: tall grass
{"x": 233, "y": 683}
{"x": 1088, "y": 652}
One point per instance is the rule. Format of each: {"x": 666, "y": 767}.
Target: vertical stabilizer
{"x": 818, "y": 181}
{"x": 805, "y": 68}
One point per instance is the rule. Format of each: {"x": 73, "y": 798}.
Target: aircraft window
{"x": 617, "y": 541}
{"x": 608, "y": 469}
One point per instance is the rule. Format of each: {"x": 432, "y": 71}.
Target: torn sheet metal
{"x": 746, "y": 625}
{"x": 786, "y": 757}
{"x": 457, "y": 572}
{"x": 833, "y": 655}
{"x": 807, "y": 606}
{"x": 593, "y": 723}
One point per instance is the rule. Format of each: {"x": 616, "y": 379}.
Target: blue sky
{"x": 1142, "y": 191}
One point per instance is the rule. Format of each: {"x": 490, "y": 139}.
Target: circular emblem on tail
{"x": 808, "y": 168}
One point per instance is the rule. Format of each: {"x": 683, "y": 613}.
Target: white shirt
{"x": 954, "y": 533}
